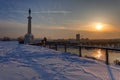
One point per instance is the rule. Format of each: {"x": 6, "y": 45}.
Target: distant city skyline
{"x": 61, "y": 19}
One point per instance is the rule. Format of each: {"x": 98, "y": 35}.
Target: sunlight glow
{"x": 99, "y": 26}
{"x": 99, "y": 54}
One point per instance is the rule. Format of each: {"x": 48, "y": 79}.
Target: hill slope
{"x": 25, "y": 62}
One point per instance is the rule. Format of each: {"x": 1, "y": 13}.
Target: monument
{"x": 29, "y": 37}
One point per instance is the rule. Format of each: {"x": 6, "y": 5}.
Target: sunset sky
{"x": 61, "y": 18}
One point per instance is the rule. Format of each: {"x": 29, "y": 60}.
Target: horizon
{"x": 61, "y": 19}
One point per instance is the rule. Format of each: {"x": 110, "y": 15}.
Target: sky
{"x": 61, "y": 19}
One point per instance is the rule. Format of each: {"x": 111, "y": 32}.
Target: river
{"x": 95, "y": 53}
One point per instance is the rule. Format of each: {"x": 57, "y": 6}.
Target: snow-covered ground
{"x": 26, "y": 62}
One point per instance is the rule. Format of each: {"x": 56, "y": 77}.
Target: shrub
{"x": 117, "y": 62}
{"x": 21, "y": 40}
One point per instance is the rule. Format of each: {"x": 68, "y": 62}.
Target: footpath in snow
{"x": 26, "y": 62}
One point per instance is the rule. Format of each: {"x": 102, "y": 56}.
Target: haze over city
{"x": 94, "y": 19}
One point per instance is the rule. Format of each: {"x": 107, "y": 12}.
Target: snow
{"x": 26, "y": 62}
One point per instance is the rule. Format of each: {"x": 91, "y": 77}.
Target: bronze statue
{"x": 29, "y": 11}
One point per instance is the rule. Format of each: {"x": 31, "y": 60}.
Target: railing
{"x": 85, "y": 46}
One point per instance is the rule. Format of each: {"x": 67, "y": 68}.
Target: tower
{"x": 29, "y": 37}
{"x": 78, "y": 37}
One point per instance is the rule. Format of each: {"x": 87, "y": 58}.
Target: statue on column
{"x": 29, "y": 37}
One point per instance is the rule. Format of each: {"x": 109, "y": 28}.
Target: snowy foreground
{"x": 26, "y": 62}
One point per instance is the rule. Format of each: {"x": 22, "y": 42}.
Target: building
{"x": 78, "y": 37}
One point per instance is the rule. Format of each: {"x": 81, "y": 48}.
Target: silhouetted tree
{"x": 6, "y": 39}
{"x": 44, "y": 41}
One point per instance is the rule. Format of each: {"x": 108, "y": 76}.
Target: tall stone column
{"x": 29, "y": 22}
{"x": 29, "y": 36}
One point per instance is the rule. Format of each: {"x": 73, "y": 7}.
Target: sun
{"x": 99, "y": 26}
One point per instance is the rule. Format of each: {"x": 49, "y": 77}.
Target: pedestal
{"x": 28, "y": 38}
